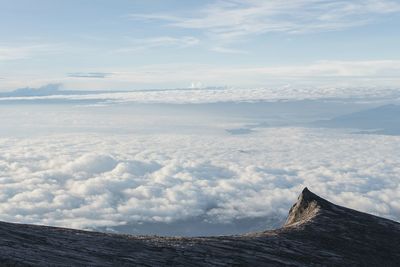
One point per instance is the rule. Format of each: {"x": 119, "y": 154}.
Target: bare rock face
{"x": 316, "y": 233}
{"x": 306, "y": 207}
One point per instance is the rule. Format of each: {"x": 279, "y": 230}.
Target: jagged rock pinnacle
{"x": 306, "y": 207}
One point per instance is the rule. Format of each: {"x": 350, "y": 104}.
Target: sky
{"x": 131, "y": 44}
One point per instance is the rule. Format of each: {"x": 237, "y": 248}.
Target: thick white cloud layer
{"x": 86, "y": 181}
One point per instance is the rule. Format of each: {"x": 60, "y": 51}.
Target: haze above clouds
{"x": 168, "y": 169}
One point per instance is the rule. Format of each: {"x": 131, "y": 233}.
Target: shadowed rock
{"x": 316, "y": 233}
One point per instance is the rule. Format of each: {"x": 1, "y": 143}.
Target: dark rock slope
{"x": 317, "y": 233}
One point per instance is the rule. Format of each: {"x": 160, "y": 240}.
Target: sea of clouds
{"x": 214, "y": 95}
{"x": 102, "y": 180}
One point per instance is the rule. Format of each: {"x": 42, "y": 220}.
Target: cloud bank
{"x": 215, "y": 95}
{"x": 86, "y": 181}
{"x": 98, "y": 75}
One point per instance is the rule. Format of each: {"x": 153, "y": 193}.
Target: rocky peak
{"x": 307, "y": 206}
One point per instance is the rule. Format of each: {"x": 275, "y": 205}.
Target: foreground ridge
{"x": 316, "y": 233}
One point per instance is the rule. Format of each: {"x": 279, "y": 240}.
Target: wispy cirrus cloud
{"x": 228, "y": 20}
{"x": 227, "y": 50}
{"x": 161, "y": 41}
{"x": 10, "y": 52}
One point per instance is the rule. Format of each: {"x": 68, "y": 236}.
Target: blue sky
{"x": 128, "y": 44}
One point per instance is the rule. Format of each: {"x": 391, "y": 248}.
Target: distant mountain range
{"x": 383, "y": 120}
{"x": 47, "y": 90}
{"x": 316, "y": 233}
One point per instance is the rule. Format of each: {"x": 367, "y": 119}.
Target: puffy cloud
{"x": 87, "y": 181}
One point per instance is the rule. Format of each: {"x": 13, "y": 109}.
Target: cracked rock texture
{"x": 316, "y": 233}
